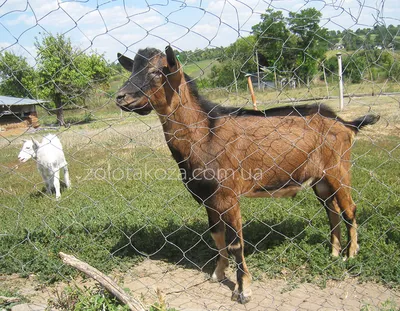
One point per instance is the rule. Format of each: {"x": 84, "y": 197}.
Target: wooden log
{"x": 9, "y": 300}
{"x": 104, "y": 280}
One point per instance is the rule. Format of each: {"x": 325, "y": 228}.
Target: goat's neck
{"x": 186, "y": 124}
{"x": 34, "y": 155}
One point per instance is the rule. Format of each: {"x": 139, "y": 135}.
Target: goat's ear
{"x": 125, "y": 62}
{"x": 173, "y": 63}
{"x": 172, "y": 71}
{"x": 35, "y": 144}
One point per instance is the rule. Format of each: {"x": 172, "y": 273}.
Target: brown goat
{"x": 225, "y": 152}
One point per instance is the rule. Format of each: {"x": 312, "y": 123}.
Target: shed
{"x": 18, "y": 107}
{"x": 18, "y": 112}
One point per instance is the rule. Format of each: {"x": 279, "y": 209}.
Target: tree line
{"x": 280, "y": 48}
{"x": 62, "y": 74}
{"x": 295, "y": 47}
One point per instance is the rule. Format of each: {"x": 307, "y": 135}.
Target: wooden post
{"x": 339, "y": 57}
{"x": 258, "y": 73}
{"x": 234, "y": 76}
{"x": 326, "y": 82}
{"x": 253, "y": 97}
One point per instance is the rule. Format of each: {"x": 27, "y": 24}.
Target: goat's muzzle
{"x": 130, "y": 104}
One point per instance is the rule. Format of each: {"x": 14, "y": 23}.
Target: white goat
{"x": 50, "y": 160}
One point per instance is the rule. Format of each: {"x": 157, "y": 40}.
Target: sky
{"x": 108, "y": 27}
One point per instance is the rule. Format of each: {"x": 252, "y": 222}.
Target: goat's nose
{"x": 120, "y": 97}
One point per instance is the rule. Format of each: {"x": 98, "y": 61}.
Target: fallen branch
{"x": 9, "y": 300}
{"x": 104, "y": 280}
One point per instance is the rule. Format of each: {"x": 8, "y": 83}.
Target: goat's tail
{"x": 360, "y": 122}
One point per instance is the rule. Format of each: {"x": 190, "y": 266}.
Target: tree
{"x": 349, "y": 40}
{"x": 66, "y": 74}
{"x": 293, "y": 45}
{"x": 17, "y": 77}
{"x": 238, "y": 60}
{"x": 310, "y": 41}
{"x": 272, "y": 38}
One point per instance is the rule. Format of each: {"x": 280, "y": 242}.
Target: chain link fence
{"x": 127, "y": 212}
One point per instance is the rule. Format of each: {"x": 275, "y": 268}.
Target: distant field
{"x": 199, "y": 69}
{"x": 332, "y": 53}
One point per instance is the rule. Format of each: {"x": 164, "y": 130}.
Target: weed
{"x": 388, "y": 305}
{"x": 73, "y": 298}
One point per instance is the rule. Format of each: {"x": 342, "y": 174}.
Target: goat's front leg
{"x": 56, "y": 182}
{"x": 234, "y": 235}
{"x": 48, "y": 182}
{"x": 217, "y": 228}
{"x": 66, "y": 176}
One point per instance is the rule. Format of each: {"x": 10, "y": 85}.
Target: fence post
{"x": 253, "y": 97}
{"x": 258, "y": 72}
{"x": 339, "y": 57}
{"x": 326, "y": 82}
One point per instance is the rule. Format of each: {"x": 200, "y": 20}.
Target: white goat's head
{"x": 29, "y": 150}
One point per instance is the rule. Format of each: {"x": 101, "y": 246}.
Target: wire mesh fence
{"x": 131, "y": 127}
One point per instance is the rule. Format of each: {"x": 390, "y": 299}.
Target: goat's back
{"x": 52, "y": 140}
{"x": 50, "y": 152}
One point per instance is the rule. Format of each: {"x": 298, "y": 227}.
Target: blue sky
{"x": 109, "y": 27}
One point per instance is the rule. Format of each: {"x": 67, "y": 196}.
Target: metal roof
{"x": 15, "y": 101}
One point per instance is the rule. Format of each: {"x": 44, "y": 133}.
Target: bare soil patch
{"x": 191, "y": 290}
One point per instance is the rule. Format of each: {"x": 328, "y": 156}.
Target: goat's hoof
{"x": 243, "y": 297}
{"x": 351, "y": 254}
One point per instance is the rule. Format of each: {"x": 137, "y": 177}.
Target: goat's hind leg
{"x": 347, "y": 207}
{"x": 326, "y": 197}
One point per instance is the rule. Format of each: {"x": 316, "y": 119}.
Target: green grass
{"x": 113, "y": 222}
{"x": 86, "y": 299}
{"x": 388, "y": 305}
{"x": 7, "y": 292}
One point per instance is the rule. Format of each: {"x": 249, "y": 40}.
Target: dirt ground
{"x": 191, "y": 290}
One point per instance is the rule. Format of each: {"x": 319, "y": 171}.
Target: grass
{"x": 85, "y": 299}
{"x": 388, "y": 305}
{"x": 6, "y": 292}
